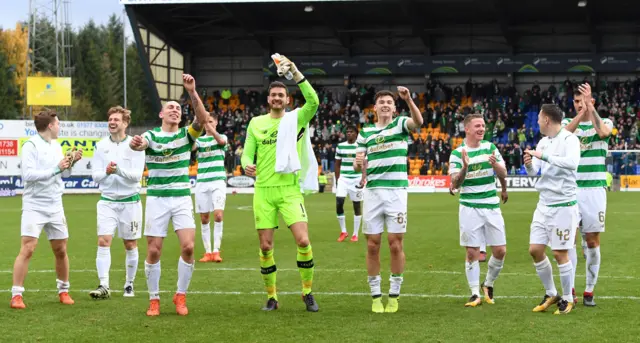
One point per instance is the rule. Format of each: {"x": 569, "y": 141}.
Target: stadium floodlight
{"x": 308, "y": 8}
{"x": 582, "y": 3}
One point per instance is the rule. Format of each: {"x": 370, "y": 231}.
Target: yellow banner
{"x": 633, "y": 181}
{"x": 88, "y": 145}
{"x": 48, "y": 91}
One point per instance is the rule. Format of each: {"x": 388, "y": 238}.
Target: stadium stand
{"x": 511, "y": 118}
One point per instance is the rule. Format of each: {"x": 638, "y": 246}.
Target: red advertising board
{"x": 435, "y": 181}
{"x": 8, "y": 147}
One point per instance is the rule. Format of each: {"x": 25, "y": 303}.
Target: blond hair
{"x": 471, "y": 117}
{"x": 126, "y": 114}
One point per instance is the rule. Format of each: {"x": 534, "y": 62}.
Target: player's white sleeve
{"x": 571, "y": 159}
{"x": 455, "y": 163}
{"x": 536, "y": 163}
{"x": 137, "y": 169}
{"x": 499, "y": 158}
{"x": 224, "y": 138}
{"x": 147, "y": 136}
{"x": 29, "y": 162}
{"x": 362, "y": 147}
{"x": 98, "y": 167}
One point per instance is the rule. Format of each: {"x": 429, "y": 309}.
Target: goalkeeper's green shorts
{"x": 268, "y": 201}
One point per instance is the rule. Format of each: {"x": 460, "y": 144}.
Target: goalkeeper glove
{"x": 286, "y": 66}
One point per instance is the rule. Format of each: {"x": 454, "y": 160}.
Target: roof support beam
{"x": 498, "y": 7}
{"x": 417, "y": 25}
{"x": 246, "y": 20}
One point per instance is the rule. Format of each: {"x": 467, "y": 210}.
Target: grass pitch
{"x": 225, "y": 299}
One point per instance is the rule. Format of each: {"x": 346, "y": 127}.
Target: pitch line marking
{"x": 321, "y": 270}
{"x": 358, "y": 294}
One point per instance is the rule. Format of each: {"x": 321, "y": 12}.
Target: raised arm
{"x": 416, "y": 119}
{"x": 98, "y": 166}
{"x": 220, "y": 139}
{"x": 573, "y": 123}
{"x": 30, "y": 171}
{"x": 202, "y": 115}
{"x": 602, "y": 129}
{"x": 308, "y": 110}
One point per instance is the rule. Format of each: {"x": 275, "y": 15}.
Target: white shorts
{"x": 348, "y": 187}
{"x": 592, "y": 203}
{"x": 160, "y": 210}
{"x": 125, "y": 218}
{"x": 554, "y": 226}
{"x": 211, "y": 200}
{"x": 481, "y": 225}
{"x": 34, "y": 221}
{"x": 385, "y": 206}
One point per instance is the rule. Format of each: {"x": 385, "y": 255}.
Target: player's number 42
{"x": 563, "y": 234}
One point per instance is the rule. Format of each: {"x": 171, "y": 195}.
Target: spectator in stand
{"x": 510, "y": 116}
{"x": 324, "y": 158}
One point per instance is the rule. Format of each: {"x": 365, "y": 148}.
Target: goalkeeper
{"x": 280, "y": 192}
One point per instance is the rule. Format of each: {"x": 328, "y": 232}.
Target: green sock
{"x": 268, "y": 270}
{"x": 305, "y": 266}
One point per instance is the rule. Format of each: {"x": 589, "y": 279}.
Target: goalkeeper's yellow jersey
{"x": 261, "y": 139}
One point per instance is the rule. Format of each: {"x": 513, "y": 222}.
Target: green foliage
{"x": 9, "y": 91}
{"x": 98, "y": 72}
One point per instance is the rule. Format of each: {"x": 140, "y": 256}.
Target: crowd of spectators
{"x": 511, "y": 118}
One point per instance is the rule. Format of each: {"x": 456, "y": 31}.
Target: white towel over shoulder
{"x": 287, "y": 159}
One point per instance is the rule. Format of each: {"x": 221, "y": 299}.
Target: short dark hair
{"x": 384, "y": 93}
{"x": 351, "y": 127}
{"x": 553, "y": 112}
{"x": 43, "y": 119}
{"x": 278, "y": 84}
{"x": 214, "y": 115}
{"x": 471, "y": 117}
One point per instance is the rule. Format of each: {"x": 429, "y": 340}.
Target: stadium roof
{"x": 392, "y": 27}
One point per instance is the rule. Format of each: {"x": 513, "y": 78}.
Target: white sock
{"x": 185, "y": 270}
{"x": 206, "y": 237}
{"x": 63, "y": 287}
{"x": 472, "y": 269}
{"x": 153, "y": 279}
{"x": 132, "y": 264}
{"x": 573, "y": 257}
{"x": 103, "y": 264}
{"x": 16, "y": 290}
{"x": 356, "y": 225}
{"x": 495, "y": 266}
{"x": 374, "y": 284}
{"x": 566, "y": 273}
{"x": 593, "y": 268}
{"x": 343, "y": 223}
{"x": 545, "y": 273}
{"x": 396, "y": 282}
{"x": 217, "y": 236}
{"x": 483, "y": 247}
